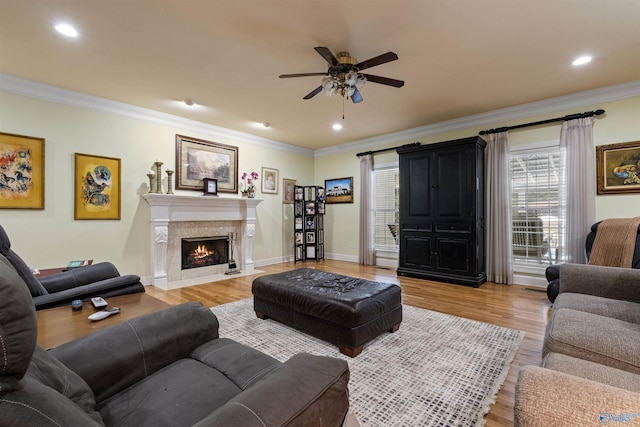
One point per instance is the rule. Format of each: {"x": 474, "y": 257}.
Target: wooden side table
{"x": 61, "y": 324}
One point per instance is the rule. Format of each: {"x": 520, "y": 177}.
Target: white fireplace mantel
{"x": 166, "y": 208}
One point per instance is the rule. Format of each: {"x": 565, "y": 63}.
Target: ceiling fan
{"x": 344, "y": 75}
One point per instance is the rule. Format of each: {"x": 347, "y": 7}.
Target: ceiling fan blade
{"x": 327, "y": 55}
{"x": 356, "y": 98}
{"x": 380, "y": 59}
{"x": 384, "y": 80}
{"x": 313, "y": 92}
{"x": 286, "y": 76}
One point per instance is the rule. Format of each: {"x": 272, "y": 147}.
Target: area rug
{"x": 436, "y": 370}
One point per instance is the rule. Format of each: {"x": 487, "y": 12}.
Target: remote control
{"x": 99, "y": 302}
{"x": 99, "y": 315}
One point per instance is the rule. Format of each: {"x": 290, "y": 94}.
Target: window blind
{"x": 386, "y": 207}
{"x": 538, "y": 209}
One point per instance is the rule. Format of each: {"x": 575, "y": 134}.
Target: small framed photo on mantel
{"x": 210, "y": 186}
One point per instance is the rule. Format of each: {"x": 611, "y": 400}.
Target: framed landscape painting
{"x": 618, "y": 168}
{"x": 97, "y": 188}
{"x": 21, "y": 172}
{"x": 339, "y": 190}
{"x": 197, "y": 159}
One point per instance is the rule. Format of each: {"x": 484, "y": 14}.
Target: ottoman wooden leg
{"x": 393, "y": 328}
{"x": 351, "y": 352}
{"x": 261, "y": 315}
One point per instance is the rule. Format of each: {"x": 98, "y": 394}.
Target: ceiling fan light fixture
{"x": 351, "y": 78}
{"x": 343, "y": 76}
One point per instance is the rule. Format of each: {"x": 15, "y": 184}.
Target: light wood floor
{"x": 518, "y": 307}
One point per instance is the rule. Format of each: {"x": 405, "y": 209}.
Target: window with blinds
{"x": 386, "y": 208}
{"x": 537, "y": 188}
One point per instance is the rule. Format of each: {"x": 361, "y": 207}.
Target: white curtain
{"x": 498, "y": 210}
{"x": 576, "y": 138}
{"x": 367, "y": 254}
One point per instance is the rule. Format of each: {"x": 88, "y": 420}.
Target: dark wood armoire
{"x": 441, "y": 227}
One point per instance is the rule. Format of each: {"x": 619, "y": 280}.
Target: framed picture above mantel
{"x": 197, "y": 159}
{"x": 618, "y": 168}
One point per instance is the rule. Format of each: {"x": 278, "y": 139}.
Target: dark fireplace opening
{"x": 204, "y": 251}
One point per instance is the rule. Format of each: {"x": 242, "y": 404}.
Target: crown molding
{"x": 76, "y": 99}
{"x": 580, "y": 99}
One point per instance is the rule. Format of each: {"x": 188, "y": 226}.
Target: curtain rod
{"x": 364, "y": 153}
{"x": 543, "y": 122}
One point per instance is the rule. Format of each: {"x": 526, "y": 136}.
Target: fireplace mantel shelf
{"x": 177, "y": 208}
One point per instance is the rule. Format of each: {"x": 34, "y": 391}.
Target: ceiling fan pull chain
{"x": 343, "y": 108}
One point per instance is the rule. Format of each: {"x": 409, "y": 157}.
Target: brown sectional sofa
{"x": 590, "y": 374}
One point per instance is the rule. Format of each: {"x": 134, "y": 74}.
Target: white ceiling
{"x": 457, "y": 57}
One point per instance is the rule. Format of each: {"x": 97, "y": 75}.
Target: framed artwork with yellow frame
{"x": 21, "y": 172}
{"x": 97, "y": 187}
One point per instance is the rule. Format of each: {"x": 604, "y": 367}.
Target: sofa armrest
{"x": 109, "y": 287}
{"x": 306, "y": 390}
{"x": 79, "y": 277}
{"x": 607, "y": 282}
{"x": 547, "y": 398}
{"x": 114, "y": 358}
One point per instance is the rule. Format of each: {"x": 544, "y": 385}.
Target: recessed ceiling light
{"x": 337, "y": 126}
{"x": 582, "y": 60}
{"x": 67, "y": 30}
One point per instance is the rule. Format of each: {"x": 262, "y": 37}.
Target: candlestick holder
{"x": 151, "y": 175}
{"x": 158, "y": 165}
{"x": 169, "y": 181}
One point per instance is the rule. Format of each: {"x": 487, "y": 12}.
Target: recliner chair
{"x": 101, "y": 279}
{"x": 167, "y": 368}
{"x": 552, "y": 272}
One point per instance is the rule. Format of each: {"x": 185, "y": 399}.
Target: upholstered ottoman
{"x": 343, "y": 310}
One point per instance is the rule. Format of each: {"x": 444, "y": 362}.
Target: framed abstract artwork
{"x": 97, "y": 187}
{"x": 197, "y": 159}
{"x": 21, "y": 172}
{"x": 618, "y": 168}
{"x": 338, "y": 190}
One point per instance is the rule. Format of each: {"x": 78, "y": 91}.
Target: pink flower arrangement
{"x": 249, "y": 181}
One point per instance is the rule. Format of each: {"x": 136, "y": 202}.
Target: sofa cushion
{"x": 18, "y": 327}
{"x": 47, "y": 370}
{"x": 592, "y": 371}
{"x": 617, "y": 309}
{"x": 21, "y": 268}
{"x": 588, "y": 336}
{"x": 242, "y": 365}
{"x": 181, "y": 394}
{"x": 312, "y": 391}
{"x": 549, "y": 398}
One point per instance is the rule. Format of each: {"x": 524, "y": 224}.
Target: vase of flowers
{"x": 249, "y": 186}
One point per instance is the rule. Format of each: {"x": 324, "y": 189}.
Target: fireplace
{"x": 204, "y": 251}
{"x": 174, "y": 217}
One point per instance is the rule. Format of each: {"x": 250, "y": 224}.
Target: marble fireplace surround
{"x": 174, "y": 217}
